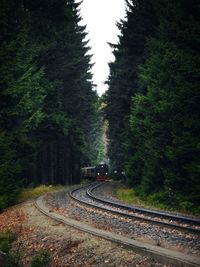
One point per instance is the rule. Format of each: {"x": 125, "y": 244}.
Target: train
{"x": 98, "y": 173}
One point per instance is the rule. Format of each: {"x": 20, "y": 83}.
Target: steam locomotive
{"x": 98, "y": 173}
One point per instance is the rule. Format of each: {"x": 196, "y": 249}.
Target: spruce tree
{"x": 47, "y": 105}
{"x": 69, "y": 104}
{"x": 22, "y": 94}
{"x": 165, "y": 120}
{"x": 123, "y": 81}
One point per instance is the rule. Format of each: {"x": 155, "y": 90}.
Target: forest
{"x": 152, "y": 101}
{"x": 48, "y": 109}
{"x": 51, "y": 116}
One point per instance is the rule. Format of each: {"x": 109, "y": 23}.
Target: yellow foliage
{"x": 102, "y": 106}
{"x": 128, "y": 195}
{"x": 28, "y": 193}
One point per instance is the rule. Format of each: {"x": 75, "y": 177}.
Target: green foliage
{"x": 123, "y": 81}
{"x": 48, "y": 111}
{"x": 168, "y": 137}
{"x": 13, "y": 258}
{"x": 127, "y": 195}
{"x": 163, "y": 200}
{"x": 6, "y": 239}
{"x": 9, "y": 185}
{"x": 155, "y": 136}
{"x": 168, "y": 200}
{"x": 189, "y": 207}
{"x": 3, "y": 202}
{"x": 43, "y": 259}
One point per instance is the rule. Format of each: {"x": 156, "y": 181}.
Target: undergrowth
{"x": 13, "y": 258}
{"x": 43, "y": 259}
{"x": 159, "y": 200}
{"x": 28, "y": 193}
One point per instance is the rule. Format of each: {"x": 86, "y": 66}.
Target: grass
{"x": 28, "y": 193}
{"x": 128, "y": 195}
{"x": 156, "y": 201}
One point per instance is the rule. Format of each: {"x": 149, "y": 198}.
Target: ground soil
{"x": 68, "y": 247}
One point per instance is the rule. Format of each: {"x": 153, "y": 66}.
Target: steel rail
{"x": 119, "y": 213}
{"x": 144, "y": 210}
{"x": 162, "y": 255}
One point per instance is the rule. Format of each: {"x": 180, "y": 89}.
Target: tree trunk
{"x": 44, "y": 165}
{"x": 51, "y": 163}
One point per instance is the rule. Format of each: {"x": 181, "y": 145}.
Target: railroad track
{"x": 131, "y": 212}
{"x": 168, "y": 257}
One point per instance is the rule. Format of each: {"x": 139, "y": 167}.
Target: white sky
{"x": 101, "y": 16}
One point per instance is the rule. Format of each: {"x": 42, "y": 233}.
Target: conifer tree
{"x": 22, "y": 94}
{"x": 165, "y": 120}
{"x": 123, "y": 81}
{"x": 69, "y": 104}
{"x": 47, "y": 105}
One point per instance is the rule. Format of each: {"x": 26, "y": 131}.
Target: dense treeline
{"x": 48, "y": 110}
{"x": 152, "y": 101}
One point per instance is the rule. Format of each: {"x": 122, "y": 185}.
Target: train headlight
{"x": 98, "y": 173}
{"x": 106, "y": 173}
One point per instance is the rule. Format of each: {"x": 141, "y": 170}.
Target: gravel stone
{"x": 142, "y": 231}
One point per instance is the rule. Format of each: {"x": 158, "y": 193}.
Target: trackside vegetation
{"x": 10, "y": 258}
{"x": 30, "y": 193}
{"x": 14, "y": 257}
{"x": 160, "y": 200}
{"x": 152, "y": 102}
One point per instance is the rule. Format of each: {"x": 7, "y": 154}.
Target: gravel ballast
{"x": 153, "y": 234}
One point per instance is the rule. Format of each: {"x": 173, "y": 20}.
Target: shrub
{"x": 13, "y": 258}
{"x": 6, "y": 239}
{"x": 43, "y": 259}
{"x": 3, "y": 203}
{"x": 164, "y": 199}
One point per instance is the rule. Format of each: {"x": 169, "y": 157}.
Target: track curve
{"x": 165, "y": 256}
{"x": 161, "y": 218}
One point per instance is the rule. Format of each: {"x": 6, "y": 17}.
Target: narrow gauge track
{"x": 131, "y": 212}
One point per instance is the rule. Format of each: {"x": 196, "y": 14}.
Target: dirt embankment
{"x": 68, "y": 247}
